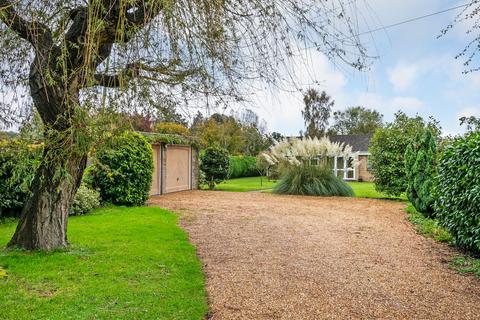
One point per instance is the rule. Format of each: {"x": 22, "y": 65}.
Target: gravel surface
{"x": 289, "y": 257}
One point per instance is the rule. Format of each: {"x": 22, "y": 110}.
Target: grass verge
{"x": 123, "y": 263}
{"x": 430, "y": 228}
{"x": 427, "y": 226}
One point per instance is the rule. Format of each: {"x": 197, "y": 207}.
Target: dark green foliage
{"x": 85, "y": 201}
{"x": 123, "y": 170}
{"x": 312, "y": 181}
{"x": 356, "y": 120}
{"x": 18, "y": 162}
{"x": 388, "y": 148}
{"x": 457, "y": 191}
{"x": 242, "y": 166}
{"x": 214, "y": 162}
{"x": 420, "y": 172}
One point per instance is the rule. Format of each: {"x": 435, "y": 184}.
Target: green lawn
{"x": 361, "y": 189}
{"x": 245, "y": 184}
{"x": 123, "y": 263}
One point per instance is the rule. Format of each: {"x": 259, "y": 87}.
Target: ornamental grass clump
{"x": 306, "y": 167}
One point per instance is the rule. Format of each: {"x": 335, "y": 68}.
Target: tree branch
{"x": 33, "y": 31}
{"x": 167, "y": 74}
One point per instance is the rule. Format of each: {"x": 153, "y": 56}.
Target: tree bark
{"x": 43, "y": 222}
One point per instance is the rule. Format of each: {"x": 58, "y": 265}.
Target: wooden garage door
{"x": 157, "y": 174}
{"x": 177, "y": 168}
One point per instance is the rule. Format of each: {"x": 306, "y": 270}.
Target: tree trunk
{"x": 43, "y": 223}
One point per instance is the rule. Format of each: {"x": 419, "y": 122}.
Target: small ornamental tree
{"x": 123, "y": 172}
{"x": 420, "y": 171}
{"x": 457, "y": 191}
{"x": 214, "y": 163}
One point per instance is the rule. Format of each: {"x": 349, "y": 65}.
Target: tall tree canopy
{"x": 356, "y": 120}
{"x": 73, "y": 56}
{"x": 316, "y": 112}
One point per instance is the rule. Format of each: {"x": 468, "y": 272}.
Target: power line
{"x": 412, "y": 19}
{"x": 396, "y": 24}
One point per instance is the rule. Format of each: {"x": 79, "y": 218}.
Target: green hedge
{"x": 242, "y": 166}
{"x": 18, "y": 162}
{"x": 457, "y": 191}
{"x": 123, "y": 170}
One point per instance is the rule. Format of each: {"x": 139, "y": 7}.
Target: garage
{"x": 175, "y": 168}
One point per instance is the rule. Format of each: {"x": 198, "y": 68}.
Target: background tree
{"x": 420, "y": 168}
{"x": 81, "y": 59}
{"x": 316, "y": 112}
{"x": 388, "y": 148}
{"x": 356, "y": 120}
{"x": 472, "y": 123}
{"x": 221, "y": 131}
{"x": 254, "y": 132}
{"x": 276, "y": 136}
{"x": 197, "y": 121}
{"x": 167, "y": 112}
{"x": 171, "y": 128}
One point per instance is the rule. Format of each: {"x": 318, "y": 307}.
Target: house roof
{"x": 359, "y": 143}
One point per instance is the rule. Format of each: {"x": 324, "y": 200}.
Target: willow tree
{"x": 62, "y": 51}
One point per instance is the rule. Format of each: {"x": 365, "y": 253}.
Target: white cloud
{"x": 390, "y": 105}
{"x": 468, "y": 112}
{"x": 282, "y": 108}
{"x": 403, "y": 76}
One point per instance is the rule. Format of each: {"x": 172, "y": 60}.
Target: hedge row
{"x": 457, "y": 191}
{"x": 121, "y": 174}
{"x": 243, "y": 166}
{"x": 18, "y": 162}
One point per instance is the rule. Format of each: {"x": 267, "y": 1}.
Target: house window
{"x": 344, "y": 168}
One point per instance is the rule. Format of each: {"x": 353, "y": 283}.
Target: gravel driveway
{"x": 289, "y": 257}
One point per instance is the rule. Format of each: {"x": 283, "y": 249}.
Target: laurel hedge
{"x": 457, "y": 191}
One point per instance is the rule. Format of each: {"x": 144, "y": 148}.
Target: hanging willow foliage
{"x": 81, "y": 60}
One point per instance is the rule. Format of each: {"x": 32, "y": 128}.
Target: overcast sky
{"x": 415, "y": 71}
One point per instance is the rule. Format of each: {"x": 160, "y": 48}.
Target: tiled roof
{"x": 359, "y": 143}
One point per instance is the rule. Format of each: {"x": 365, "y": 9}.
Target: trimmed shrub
{"x": 123, "y": 170}
{"x": 420, "y": 171}
{"x": 388, "y": 149}
{"x": 85, "y": 201}
{"x": 242, "y": 166}
{"x": 214, "y": 163}
{"x": 312, "y": 180}
{"x": 18, "y": 163}
{"x": 457, "y": 191}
